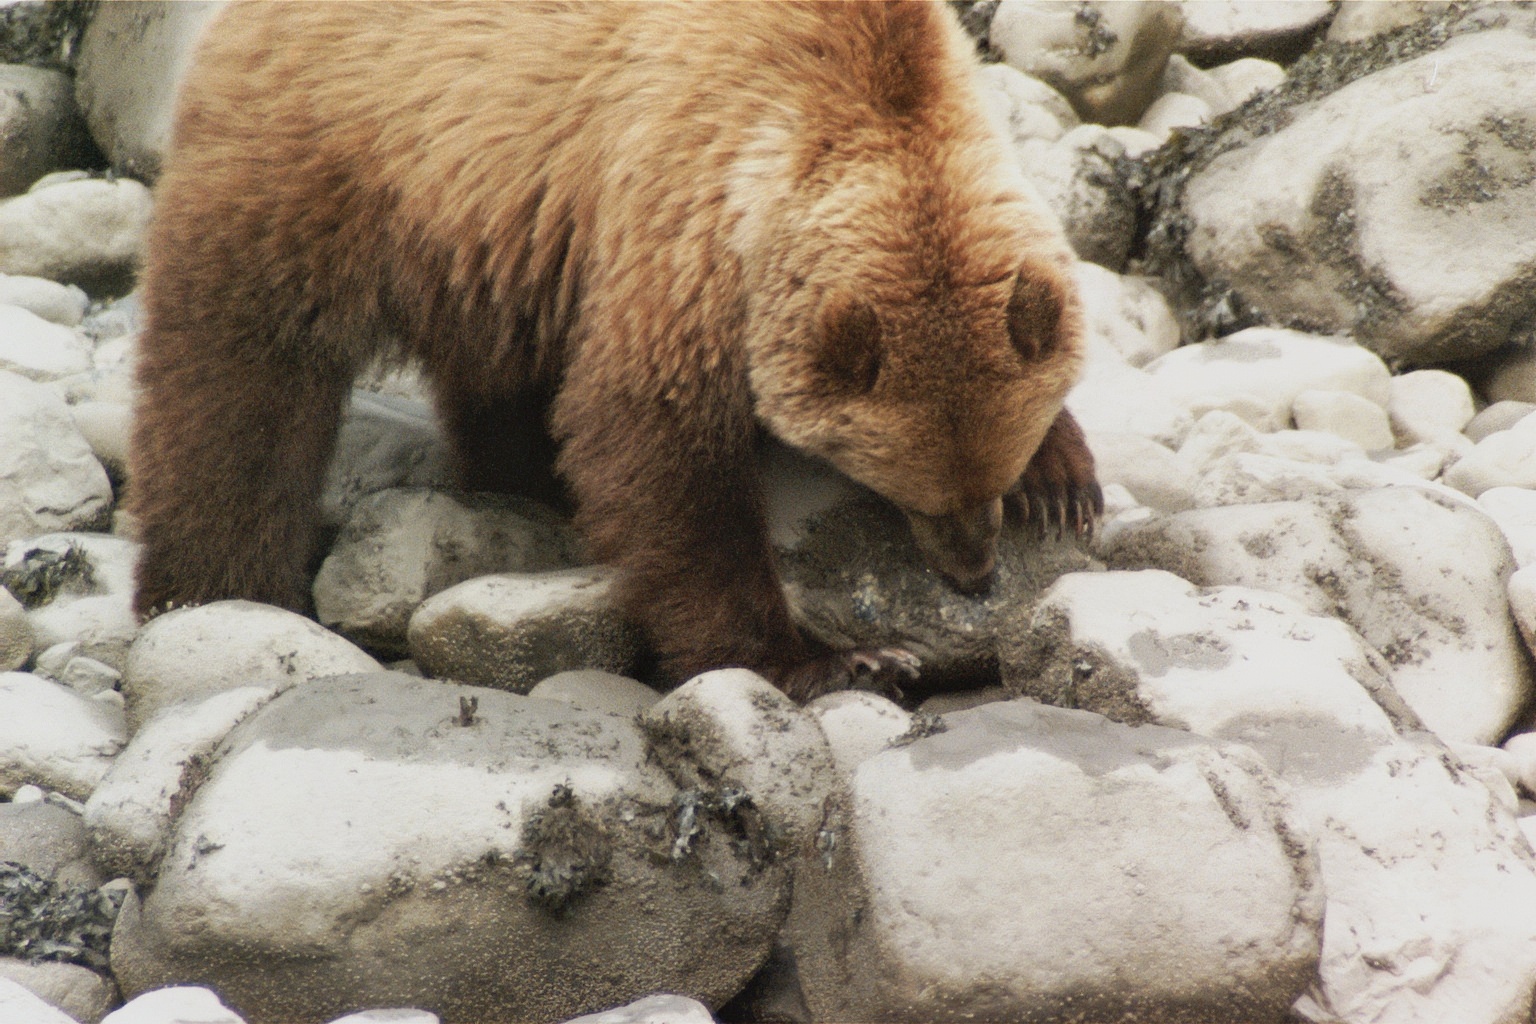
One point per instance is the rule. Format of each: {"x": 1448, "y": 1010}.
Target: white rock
{"x": 403, "y": 545}
{"x": 106, "y": 427}
{"x": 192, "y": 653}
{"x": 1124, "y": 314}
{"x": 1023, "y": 107}
{"x": 1107, "y": 58}
{"x": 1133, "y": 140}
{"x": 53, "y": 737}
{"x": 858, "y": 725}
{"x": 92, "y": 592}
{"x": 89, "y": 677}
{"x": 1506, "y": 458}
{"x": 15, "y": 633}
{"x": 130, "y": 62}
{"x": 1153, "y": 474}
{"x": 652, "y": 1010}
{"x": 1180, "y": 76}
{"x": 37, "y": 349}
{"x": 1522, "y": 604}
{"x": 1514, "y": 510}
{"x": 49, "y": 480}
{"x": 513, "y": 629}
{"x": 593, "y": 690}
{"x": 87, "y": 233}
{"x": 48, "y": 836}
{"x": 1175, "y": 110}
{"x": 1269, "y": 366}
{"x": 1395, "y": 814}
{"x": 18, "y": 1005}
{"x": 1350, "y": 416}
{"x": 1235, "y": 27}
{"x": 1496, "y": 417}
{"x": 57, "y": 303}
{"x": 401, "y": 1016}
{"x": 1521, "y": 749}
{"x": 79, "y": 992}
{"x": 1358, "y": 20}
{"x": 1415, "y": 251}
{"x": 1246, "y": 77}
{"x": 1076, "y": 178}
{"x": 1002, "y": 842}
{"x": 353, "y": 818}
{"x": 1121, "y": 399}
{"x": 1420, "y": 576}
{"x": 178, "y": 1004}
{"x": 132, "y": 811}
{"x": 1429, "y": 404}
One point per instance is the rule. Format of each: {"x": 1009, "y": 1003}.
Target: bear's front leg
{"x": 1059, "y": 491}
{"x": 671, "y": 497}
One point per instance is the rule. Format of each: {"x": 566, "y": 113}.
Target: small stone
{"x": 15, "y": 633}
{"x": 1217, "y": 30}
{"x": 176, "y": 1004}
{"x": 1506, "y": 458}
{"x": 78, "y": 588}
{"x": 511, "y": 630}
{"x": 1246, "y": 77}
{"x": 61, "y": 304}
{"x": 49, "y": 480}
{"x": 1154, "y": 475}
{"x": 1498, "y": 416}
{"x": 1345, "y": 414}
{"x": 192, "y": 653}
{"x": 1172, "y": 111}
{"x": 87, "y": 233}
{"x": 53, "y": 737}
{"x": 1514, "y": 510}
{"x": 663, "y": 1009}
{"x": 1426, "y": 405}
{"x": 77, "y": 991}
{"x": 1107, "y": 58}
{"x": 594, "y": 690}
{"x": 1125, "y": 315}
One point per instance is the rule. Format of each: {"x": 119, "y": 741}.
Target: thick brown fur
{"x": 653, "y": 231}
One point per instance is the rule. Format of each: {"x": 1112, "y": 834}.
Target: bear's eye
{"x": 1034, "y": 313}
{"x": 850, "y": 352}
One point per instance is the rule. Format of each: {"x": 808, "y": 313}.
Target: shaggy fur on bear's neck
{"x": 638, "y": 233}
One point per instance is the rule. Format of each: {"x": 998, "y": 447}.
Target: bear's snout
{"x": 961, "y": 547}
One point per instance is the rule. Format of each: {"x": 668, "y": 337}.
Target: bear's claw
{"x": 876, "y": 669}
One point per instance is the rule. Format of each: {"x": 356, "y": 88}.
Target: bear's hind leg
{"x": 500, "y": 441}
{"x": 229, "y": 453}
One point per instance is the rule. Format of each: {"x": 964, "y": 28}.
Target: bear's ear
{"x": 849, "y": 352}
{"x": 1035, "y": 311}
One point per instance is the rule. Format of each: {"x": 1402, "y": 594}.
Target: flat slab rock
{"x": 1023, "y": 862}
{"x": 354, "y": 843}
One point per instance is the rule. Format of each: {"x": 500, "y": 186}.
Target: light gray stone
{"x": 1421, "y": 576}
{"x": 132, "y": 57}
{"x": 1002, "y": 842}
{"x": 1505, "y": 458}
{"x": 61, "y": 304}
{"x": 1335, "y": 220}
{"x": 385, "y": 441}
{"x": 594, "y": 690}
{"x": 40, "y": 124}
{"x": 1172, "y": 111}
{"x": 49, "y": 480}
{"x": 1244, "y": 78}
{"x": 1153, "y": 474}
{"x": 1395, "y": 811}
{"x": 192, "y": 653}
{"x": 1498, "y": 416}
{"x": 1216, "y": 30}
{"x": 1267, "y": 367}
{"x": 1427, "y": 405}
{"x": 1107, "y": 58}
{"x": 15, "y": 633}
{"x": 1514, "y": 510}
{"x": 1353, "y": 417}
{"x": 84, "y": 584}
{"x": 1023, "y": 107}
{"x": 49, "y": 840}
{"x": 19, "y": 1004}
{"x": 53, "y": 737}
{"x": 37, "y": 349}
{"x": 87, "y": 233}
{"x": 652, "y": 1010}
{"x": 106, "y": 427}
{"x": 356, "y": 820}
{"x": 1076, "y": 177}
{"x": 511, "y": 630}
{"x": 175, "y": 1004}
{"x": 401, "y": 546}
{"x": 77, "y": 991}
{"x": 1124, "y": 315}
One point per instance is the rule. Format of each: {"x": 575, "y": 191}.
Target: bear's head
{"x": 934, "y": 394}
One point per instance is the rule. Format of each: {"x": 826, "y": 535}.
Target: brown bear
{"x": 643, "y": 235}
